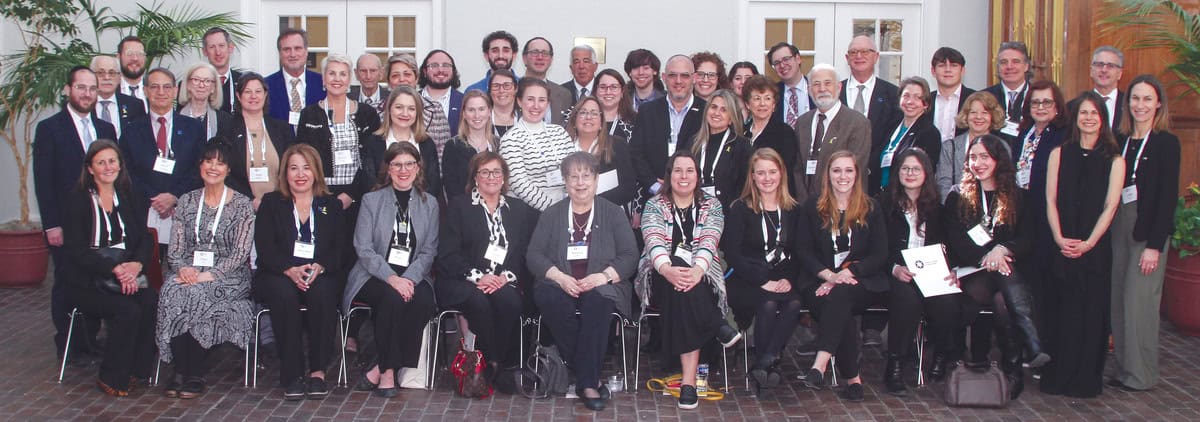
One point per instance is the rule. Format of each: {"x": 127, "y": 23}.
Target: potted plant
{"x": 32, "y": 82}
{"x": 1181, "y": 286}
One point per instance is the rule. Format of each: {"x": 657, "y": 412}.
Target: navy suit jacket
{"x": 58, "y": 161}
{"x": 128, "y": 109}
{"x": 140, "y": 150}
{"x": 452, "y": 115}
{"x": 277, "y": 89}
{"x": 779, "y": 103}
{"x": 883, "y": 111}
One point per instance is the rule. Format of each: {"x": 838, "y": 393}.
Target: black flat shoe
{"x": 387, "y": 393}
{"x": 814, "y": 379}
{"x": 295, "y": 390}
{"x": 595, "y": 404}
{"x": 604, "y": 393}
{"x": 852, "y": 393}
{"x": 317, "y": 389}
{"x": 364, "y": 383}
{"x": 191, "y": 389}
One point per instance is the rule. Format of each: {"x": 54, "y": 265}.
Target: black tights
{"x": 986, "y": 291}
{"x": 773, "y": 326}
{"x": 188, "y": 355}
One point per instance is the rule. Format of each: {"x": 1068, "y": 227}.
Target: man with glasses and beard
{"x": 439, "y": 82}
{"x": 666, "y": 125}
{"x": 538, "y": 55}
{"x": 112, "y": 106}
{"x": 131, "y": 53}
{"x": 827, "y": 128}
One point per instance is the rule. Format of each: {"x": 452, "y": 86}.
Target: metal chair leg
{"x": 157, "y": 366}
{"x": 254, "y": 365}
{"x": 921, "y": 354}
{"x": 833, "y": 371}
{"x": 746, "y": 359}
{"x": 624, "y": 358}
{"x": 342, "y": 378}
{"x": 725, "y": 370}
{"x": 62, "y": 369}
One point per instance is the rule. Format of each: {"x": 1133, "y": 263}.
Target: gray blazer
{"x": 373, "y": 233}
{"x": 950, "y": 164}
{"x": 849, "y": 130}
{"x": 612, "y": 244}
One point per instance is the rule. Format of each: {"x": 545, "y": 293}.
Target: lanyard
{"x": 401, "y": 218}
{"x": 312, "y": 223}
{"x": 101, "y": 214}
{"x": 986, "y": 219}
{"x": 833, "y": 235}
{"x": 679, "y": 220}
{"x": 777, "y": 226}
{"x": 587, "y": 229}
{"x": 1137, "y": 160}
{"x": 262, "y": 146}
{"x": 613, "y": 128}
{"x": 329, "y": 113}
{"x": 716, "y": 157}
{"x": 899, "y": 134}
{"x": 497, "y": 131}
{"x": 495, "y": 221}
{"x": 216, "y": 219}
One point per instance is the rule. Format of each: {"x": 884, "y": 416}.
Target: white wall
{"x": 964, "y": 26}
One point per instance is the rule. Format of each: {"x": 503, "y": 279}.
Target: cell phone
{"x": 309, "y": 276}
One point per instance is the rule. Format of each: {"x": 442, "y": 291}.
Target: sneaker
{"x": 728, "y": 336}
{"x": 317, "y": 388}
{"x": 688, "y": 399}
{"x": 295, "y": 390}
{"x": 852, "y": 393}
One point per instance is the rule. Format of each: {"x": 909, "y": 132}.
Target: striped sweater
{"x": 532, "y": 153}
{"x": 657, "y": 232}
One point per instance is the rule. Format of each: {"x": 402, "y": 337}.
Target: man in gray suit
{"x": 826, "y": 129}
{"x": 369, "y": 71}
{"x": 537, "y": 55}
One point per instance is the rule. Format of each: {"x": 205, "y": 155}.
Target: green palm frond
{"x": 1156, "y": 17}
{"x": 178, "y": 31}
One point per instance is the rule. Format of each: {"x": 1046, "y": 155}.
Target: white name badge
{"x": 303, "y": 250}
{"x": 402, "y": 227}
{"x": 1129, "y": 194}
{"x": 710, "y": 190}
{"x": 120, "y": 246}
{"x": 577, "y": 252}
{"x": 684, "y": 254}
{"x": 554, "y": 177}
{"x": 887, "y": 160}
{"x": 979, "y": 235}
{"x": 294, "y": 118}
{"x": 1023, "y": 177}
{"x": 343, "y": 158}
{"x": 399, "y": 256}
{"x": 259, "y": 175}
{"x": 811, "y": 167}
{"x": 203, "y": 259}
{"x": 496, "y": 254}
{"x": 164, "y": 165}
{"x": 607, "y": 181}
{"x": 839, "y": 258}
{"x": 1010, "y": 128}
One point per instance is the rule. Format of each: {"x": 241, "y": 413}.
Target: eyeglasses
{"x": 201, "y": 81}
{"x": 911, "y": 170}
{"x": 864, "y": 52}
{"x": 539, "y": 53}
{"x": 505, "y": 86}
{"x": 108, "y": 73}
{"x": 134, "y": 53}
{"x": 85, "y": 88}
{"x": 704, "y": 76}
{"x": 439, "y": 65}
{"x": 605, "y": 88}
{"x": 588, "y": 114}
{"x": 680, "y": 76}
{"x": 1043, "y": 103}
{"x": 1105, "y": 65}
{"x": 160, "y": 87}
{"x": 491, "y": 174}
{"x": 788, "y": 59}
{"x": 403, "y": 165}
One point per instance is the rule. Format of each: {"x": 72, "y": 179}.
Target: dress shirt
{"x": 140, "y": 93}
{"x": 1111, "y": 104}
{"x": 114, "y": 112}
{"x": 1013, "y": 93}
{"x": 947, "y": 111}
{"x": 79, "y": 127}
{"x": 801, "y": 100}
{"x": 677, "y": 120}
{"x": 170, "y": 123}
{"x": 829, "y": 115}
{"x": 301, "y": 87}
{"x": 852, "y": 93}
{"x": 444, "y": 100}
{"x": 579, "y": 89}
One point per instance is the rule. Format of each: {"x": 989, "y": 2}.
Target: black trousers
{"x": 946, "y": 317}
{"x": 131, "y": 319}
{"x": 188, "y": 355}
{"x": 836, "y": 331}
{"x": 494, "y": 318}
{"x": 285, "y": 300}
{"x": 774, "y": 322}
{"x": 905, "y": 307}
{"x": 582, "y": 340}
{"x": 398, "y": 324}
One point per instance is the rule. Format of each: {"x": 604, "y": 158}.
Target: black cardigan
{"x": 463, "y": 242}
{"x": 868, "y": 248}
{"x": 375, "y": 147}
{"x": 313, "y": 129}
{"x": 275, "y": 233}
{"x": 964, "y": 252}
{"x": 82, "y": 262}
{"x": 281, "y": 138}
{"x": 622, "y": 162}
{"x": 923, "y": 134}
{"x": 742, "y": 241}
{"x": 730, "y": 175}
{"x": 456, "y": 159}
{"x": 779, "y": 136}
{"x": 1158, "y": 188}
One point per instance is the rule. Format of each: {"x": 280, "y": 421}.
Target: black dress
{"x": 1079, "y": 289}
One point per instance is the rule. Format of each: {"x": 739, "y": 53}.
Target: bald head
{"x": 678, "y": 77}
{"x": 369, "y": 70}
{"x": 861, "y": 55}
{"x": 108, "y": 74}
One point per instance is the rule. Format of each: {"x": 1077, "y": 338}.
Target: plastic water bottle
{"x": 702, "y": 379}
{"x": 615, "y": 384}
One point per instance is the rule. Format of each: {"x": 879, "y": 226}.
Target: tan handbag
{"x": 976, "y": 387}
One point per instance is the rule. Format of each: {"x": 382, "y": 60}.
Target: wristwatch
{"x": 609, "y": 277}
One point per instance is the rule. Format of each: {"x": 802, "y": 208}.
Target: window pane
{"x": 864, "y": 27}
{"x": 404, "y": 33}
{"x": 314, "y": 60}
{"x": 889, "y": 67}
{"x": 377, "y": 31}
{"x": 806, "y": 62}
{"x": 383, "y": 57}
{"x": 804, "y": 34}
{"x": 318, "y": 32}
{"x": 286, "y": 22}
{"x": 890, "y": 37}
{"x": 776, "y": 31}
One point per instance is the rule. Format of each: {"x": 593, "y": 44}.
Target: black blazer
{"x": 1052, "y": 138}
{"x": 375, "y": 147}
{"x": 1158, "y": 188}
{"x": 964, "y": 252}
{"x": 463, "y": 243}
{"x": 997, "y": 91}
{"x": 229, "y": 103}
{"x": 779, "y": 105}
{"x": 621, "y": 161}
{"x": 779, "y": 136}
{"x": 456, "y": 157}
{"x": 898, "y": 231}
{"x": 58, "y": 161}
{"x": 868, "y": 256}
{"x": 82, "y": 262}
{"x": 742, "y": 241}
{"x": 140, "y": 150}
{"x": 128, "y": 109}
{"x": 275, "y": 233}
{"x": 730, "y": 175}
{"x": 652, "y": 133}
{"x": 922, "y": 134}
{"x": 281, "y": 138}
{"x": 314, "y": 130}
{"x": 962, "y": 98}
{"x": 884, "y": 112}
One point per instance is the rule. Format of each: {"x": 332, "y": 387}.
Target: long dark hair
{"x": 1005, "y": 176}
{"x": 397, "y": 149}
{"x": 928, "y": 199}
{"x": 1106, "y": 144}
{"x": 87, "y": 182}
{"x": 625, "y": 109}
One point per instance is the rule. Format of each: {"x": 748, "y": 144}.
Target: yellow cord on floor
{"x": 671, "y": 385}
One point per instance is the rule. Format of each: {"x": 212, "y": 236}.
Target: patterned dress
{"x": 217, "y": 311}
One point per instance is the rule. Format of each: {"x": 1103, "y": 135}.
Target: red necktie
{"x": 161, "y": 138}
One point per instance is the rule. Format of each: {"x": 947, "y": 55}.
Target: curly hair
{"x": 1005, "y": 176}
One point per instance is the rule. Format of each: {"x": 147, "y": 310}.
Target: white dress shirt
{"x": 801, "y": 97}
{"x": 80, "y": 128}
{"x": 947, "y": 111}
{"x": 301, "y": 88}
{"x": 852, "y": 93}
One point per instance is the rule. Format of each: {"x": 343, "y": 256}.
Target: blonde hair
{"x": 418, "y": 128}
{"x": 750, "y": 194}
{"x": 218, "y": 95}
{"x": 856, "y": 208}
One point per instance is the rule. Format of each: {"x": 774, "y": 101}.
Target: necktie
{"x": 582, "y": 93}
{"x": 816, "y": 143}
{"x": 1013, "y": 113}
{"x": 105, "y": 115}
{"x": 793, "y": 107}
{"x": 858, "y": 102}
{"x": 161, "y": 137}
{"x": 87, "y": 132}
{"x": 133, "y": 91}
{"x": 295, "y": 96}
{"x": 1110, "y": 112}
{"x": 224, "y": 80}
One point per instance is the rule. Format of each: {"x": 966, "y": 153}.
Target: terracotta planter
{"x": 1181, "y": 293}
{"x": 23, "y": 258}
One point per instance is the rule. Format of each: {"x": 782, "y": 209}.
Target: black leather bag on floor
{"x": 108, "y": 282}
{"x": 976, "y": 387}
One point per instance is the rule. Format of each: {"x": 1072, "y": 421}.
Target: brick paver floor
{"x": 29, "y": 391}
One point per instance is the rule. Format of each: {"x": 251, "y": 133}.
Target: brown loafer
{"x": 107, "y": 389}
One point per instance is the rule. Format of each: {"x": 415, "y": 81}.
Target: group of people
{"x": 723, "y": 201}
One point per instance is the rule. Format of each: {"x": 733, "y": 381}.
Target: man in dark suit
{"x": 666, "y": 125}
{"x": 369, "y": 71}
{"x": 111, "y": 106}
{"x": 439, "y": 82}
{"x": 793, "y": 86}
{"x": 1012, "y": 64}
{"x": 947, "y": 68}
{"x": 827, "y": 128}
{"x": 293, "y": 86}
{"x": 59, "y": 145}
{"x": 218, "y": 48}
{"x": 583, "y": 71}
{"x": 131, "y": 54}
{"x": 869, "y": 95}
{"x": 162, "y": 152}
{"x": 537, "y": 55}
{"x": 1105, "y": 72}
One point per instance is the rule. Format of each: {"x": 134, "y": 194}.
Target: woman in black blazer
{"x": 298, "y": 235}
{"x": 914, "y": 129}
{"x": 474, "y": 136}
{"x": 481, "y": 258}
{"x": 616, "y": 181}
{"x": 759, "y": 229}
{"x": 721, "y": 152}
{"x": 103, "y": 213}
{"x": 913, "y": 213}
{"x": 262, "y": 137}
{"x": 844, "y": 271}
{"x": 402, "y": 122}
{"x": 760, "y": 96}
{"x": 1144, "y": 222}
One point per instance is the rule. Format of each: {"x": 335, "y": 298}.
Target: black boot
{"x": 939, "y": 367}
{"x": 893, "y": 376}
{"x": 764, "y": 373}
{"x": 1020, "y": 307}
{"x": 1011, "y": 365}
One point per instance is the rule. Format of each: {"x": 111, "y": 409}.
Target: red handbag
{"x": 468, "y": 368}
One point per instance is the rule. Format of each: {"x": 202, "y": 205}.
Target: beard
{"x": 439, "y": 85}
{"x": 500, "y": 64}
{"x": 80, "y": 108}
{"x": 825, "y": 102}
{"x": 131, "y": 74}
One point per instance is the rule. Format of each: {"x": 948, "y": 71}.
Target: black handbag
{"x": 976, "y": 387}
{"x": 108, "y": 282}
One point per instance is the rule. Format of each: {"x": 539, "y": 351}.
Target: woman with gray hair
{"x": 201, "y": 99}
{"x": 585, "y": 268}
